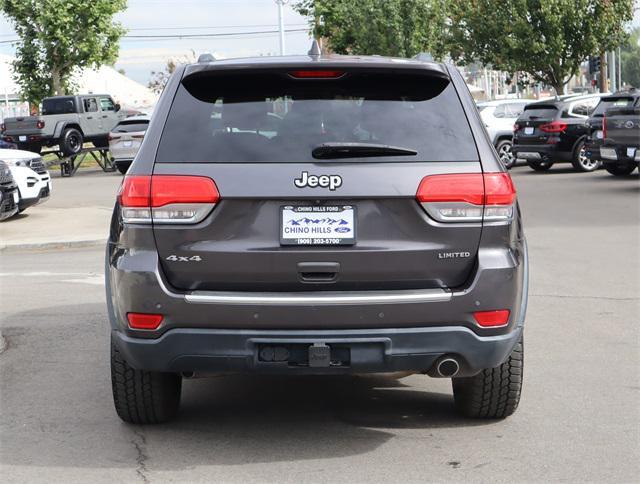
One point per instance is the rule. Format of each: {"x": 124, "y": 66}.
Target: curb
{"x": 4, "y": 248}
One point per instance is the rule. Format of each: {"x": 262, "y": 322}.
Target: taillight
{"x": 3, "y": 128}
{"x": 144, "y": 320}
{"x": 467, "y": 197}
{"x": 313, "y": 74}
{"x": 516, "y": 127}
{"x": 167, "y": 199}
{"x": 554, "y": 127}
{"x": 111, "y": 137}
{"x": 604, "y": 126}
{"x": 40, "y": 124}
{"x": 492, "y": 319}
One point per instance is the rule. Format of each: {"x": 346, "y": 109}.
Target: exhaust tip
{"x": 447, "y": 367}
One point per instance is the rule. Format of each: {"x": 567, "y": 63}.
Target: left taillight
{"x": 468, "y": 197}
{"x": 167, "y": 199}
{"x": 554, "y": 127}
{"x": 40, "y": 124}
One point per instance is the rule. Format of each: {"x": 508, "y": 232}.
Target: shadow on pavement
{"x": 57, "y": 410}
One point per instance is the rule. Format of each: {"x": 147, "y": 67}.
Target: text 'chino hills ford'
{"x": 319, "y": 215}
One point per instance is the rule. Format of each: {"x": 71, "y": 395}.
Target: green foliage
{"x": 547, "y": 40}
{"x": 400, "y": 28}
{"x": 59, "y": 36}
{"x": 631, "y": 59}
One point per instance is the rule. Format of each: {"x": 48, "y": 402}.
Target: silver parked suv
{"x": 316, "y": 215}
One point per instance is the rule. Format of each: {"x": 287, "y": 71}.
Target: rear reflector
{"x": 316, "y": 74}
{"x": 467, "y": 197}
{"x": 492, "y": 319}
{"x": 167, "y": 198}
{"x": 144, "y": 321}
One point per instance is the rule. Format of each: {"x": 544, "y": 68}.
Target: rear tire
{"x": 540, "y": 165}
{"x": 71, "y": 142}
{"x": 506, "y": 155}
{"x": 619, "y": 169}
{"x": 493, "y": 393}
{"x": 581, "y": 162}
{"x": 143, "y": 397}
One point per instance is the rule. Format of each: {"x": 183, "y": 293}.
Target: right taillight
{"x": 604, "y": 126}
{"x": 467, "y": 197}
{"x": 167, "y": 199}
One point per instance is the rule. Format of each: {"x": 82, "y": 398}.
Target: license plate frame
{"x": 22, "y": 138}
{"x": 127, "y": 143}
{"x": 631, "y": 152}
{"x": 528, "y": 130}
{"x": 344, "y": 218}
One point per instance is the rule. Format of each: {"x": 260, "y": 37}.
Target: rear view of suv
{"x": 555, "y": 131}
{"x": 318, "y": 215}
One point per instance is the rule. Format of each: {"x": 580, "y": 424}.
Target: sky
{"x": 140, "y": 56}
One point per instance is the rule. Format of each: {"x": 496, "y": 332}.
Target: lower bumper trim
{"x": 370, "y": 351}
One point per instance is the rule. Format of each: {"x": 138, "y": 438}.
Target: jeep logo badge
{"x": 325, "y": 181}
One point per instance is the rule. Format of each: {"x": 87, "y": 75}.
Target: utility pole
{"x": 603, "y": 72}
{"x": 281, "y": 24}
{"x": 614, "y": 78}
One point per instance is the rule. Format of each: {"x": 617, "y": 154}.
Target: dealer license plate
{"x": 318, "y": 225}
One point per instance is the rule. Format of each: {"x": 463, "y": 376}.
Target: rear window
{"x": 609, "y": 103}
{"x": 131, "y": 126}
{"x": 272, "y": 117}
{"x": 63, "y": 105}
{"x": 539, "y": 112}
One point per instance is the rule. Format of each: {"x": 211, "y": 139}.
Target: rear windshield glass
{"x": 276, "y": 118}
{"x": 61, "y": 105}
{"x": 604, "y": 104}
{"x": 131, "y": 126}
{"x": 539, "y": 112}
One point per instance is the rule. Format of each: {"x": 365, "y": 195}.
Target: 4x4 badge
{"x": 325, "y": 181}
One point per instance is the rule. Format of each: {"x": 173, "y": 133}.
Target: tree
{"x": 546, "y": 40}
{"x": 631, "y": 59}
{"x": 159, "y": 79}
{"x": 400, "y": 28}
{"x": 57, "y": 37}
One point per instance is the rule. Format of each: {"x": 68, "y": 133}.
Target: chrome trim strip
{"x": 328, "y": 298}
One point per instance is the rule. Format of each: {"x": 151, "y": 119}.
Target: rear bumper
{"x": 619, "y": 154}
{"x": 370, "y": 350}
{"x": 540, "y": 152}
{"x": 380, "y": 350}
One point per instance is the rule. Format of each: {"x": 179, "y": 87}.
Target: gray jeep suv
{"x": 318, "y": 215}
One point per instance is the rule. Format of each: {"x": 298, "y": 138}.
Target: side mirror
{"x": 117, "y": 106}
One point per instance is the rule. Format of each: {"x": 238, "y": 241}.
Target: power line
{"x": 193, "y": 36}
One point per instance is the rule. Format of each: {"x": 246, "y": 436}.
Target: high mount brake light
{"x": 316, "y": 74}
{"x": 467, "y": 197}
{"x": 554, "y": 127}
{"x": 167, "y": 199}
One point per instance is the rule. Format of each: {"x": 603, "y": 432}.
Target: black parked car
{"x": 8, "y": 193}
{"x": 555, "y": 131}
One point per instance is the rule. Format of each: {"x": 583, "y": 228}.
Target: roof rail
{"x": 206, "y": 57}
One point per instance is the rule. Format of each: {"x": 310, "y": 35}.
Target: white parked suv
{"x": 499, "y": 117}
{"x": 30, "y": 174}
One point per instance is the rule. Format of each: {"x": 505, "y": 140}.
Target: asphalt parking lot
{"x": 579, "y": 417}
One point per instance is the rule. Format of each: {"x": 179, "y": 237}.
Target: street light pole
{"x": 281, "y": 24}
